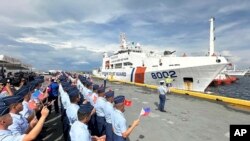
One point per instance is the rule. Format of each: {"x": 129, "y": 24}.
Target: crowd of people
{"x": 19, "y": 121}
{"x": 88, "y": 111}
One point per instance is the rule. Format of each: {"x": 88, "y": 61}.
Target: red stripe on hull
{"x": 140, "y": 74}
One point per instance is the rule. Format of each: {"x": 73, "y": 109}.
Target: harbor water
{"x": 240, "y": 89}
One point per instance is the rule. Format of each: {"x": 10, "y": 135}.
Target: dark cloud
{"x": 72, "y": 35}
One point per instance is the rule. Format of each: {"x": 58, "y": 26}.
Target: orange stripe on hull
{"x": 140, "y": 74}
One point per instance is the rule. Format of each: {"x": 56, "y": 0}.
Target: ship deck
{"x": 187, "y": 118}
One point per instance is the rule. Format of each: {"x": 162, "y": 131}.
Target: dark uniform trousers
{"x": 66, "y": 128}
{"x": 100, "y": 121}
{"x": 109, "y": 132}
{"x": 118, "y": 138}
{"x": 55, "y": 103}
{"x": 162, "y": 98}
{"x": 92, "y": 126}
{"x": 104, "y": 85}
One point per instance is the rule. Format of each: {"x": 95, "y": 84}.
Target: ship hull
{"x": 188, "y": 78}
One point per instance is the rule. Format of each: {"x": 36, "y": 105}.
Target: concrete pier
{"x": 187, "y": 118}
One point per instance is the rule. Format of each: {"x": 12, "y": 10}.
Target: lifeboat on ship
{"x": 223, "y": 78}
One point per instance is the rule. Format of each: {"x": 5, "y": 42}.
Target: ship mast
{"x": 212, "y": 37}
{"x": 123, "y": 41}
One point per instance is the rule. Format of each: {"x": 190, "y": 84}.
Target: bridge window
{"x": 119, "y": 65}
{"x": 127, "y": 64}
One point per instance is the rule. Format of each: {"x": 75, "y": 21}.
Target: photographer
{"x": 5, "y": 87}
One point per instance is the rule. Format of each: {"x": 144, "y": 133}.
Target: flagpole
{"x": 139, "y": 115}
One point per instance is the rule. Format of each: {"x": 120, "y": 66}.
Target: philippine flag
{"x": 145, "y": 111}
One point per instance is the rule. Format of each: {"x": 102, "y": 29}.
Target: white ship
{"x": 131, "y": 63}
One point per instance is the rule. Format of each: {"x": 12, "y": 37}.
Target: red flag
{"x": 41, "y": 96}
{"x": 127, "y": 102}
{"x": 32, "y": 105}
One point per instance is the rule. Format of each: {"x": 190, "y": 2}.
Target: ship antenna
{"x": 212, "y": 37}
{"x": 123, "y": 41}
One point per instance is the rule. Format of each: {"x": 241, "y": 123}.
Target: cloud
{"x": 244, "y": 5}
{"x": 81, "y": 62}
{"x": 73, "y": 35}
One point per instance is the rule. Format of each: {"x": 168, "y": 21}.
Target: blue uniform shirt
{"x": 108, "y": 110}
{"x": 54, "y": 87}
{"x": 118, "y": 122}
{"x": 88, "y": 94}
{"x": 71, "y": 112}
{"x": 19, "y": 124}
{"x": 79, "y": 132}
{"x": 26, "y": 112}
{"x": 6, "y": 135}
{"x": 93, "y": 99}
{"x": 162, "y": 90}
{"x": 100, "y": 106}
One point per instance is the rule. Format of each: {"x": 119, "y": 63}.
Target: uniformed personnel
{"x": 162, "y": 90}
{"x": 19, "y": 124}
{"x": 72, "y": 109}
{"x": 108, "y": 110}
{"x": 100, "y": 115}
{"x": 27, "y": 113}
{"x": 6, "y": 121}
{"x": 79, "y": 130}
{"x": 121, "y": 132}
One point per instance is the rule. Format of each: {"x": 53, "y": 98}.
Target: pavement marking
{"x": 145, "y": 102}
{"x": 227, "y": 134}
{"x": 153, "y": 115}
{"x": 163, "y": 119}
{"x": 184, "y": 119}
{"x": 135, "y": 98}
{"x": 170, "y": 122}
{"x": 116, "y": 89}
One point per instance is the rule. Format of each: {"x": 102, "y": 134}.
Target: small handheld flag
{"x": 41, "y": 96}
{"x": 32, "y": 105}
{"x": 48, "y": 89}
{"x": 127, "y": 102}
{"x": 144, "y": 112}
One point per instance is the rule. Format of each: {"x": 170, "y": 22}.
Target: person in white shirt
{"x": 162, "y": 90}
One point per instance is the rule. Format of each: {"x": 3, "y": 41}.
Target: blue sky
{"x": 72, "y": 35}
